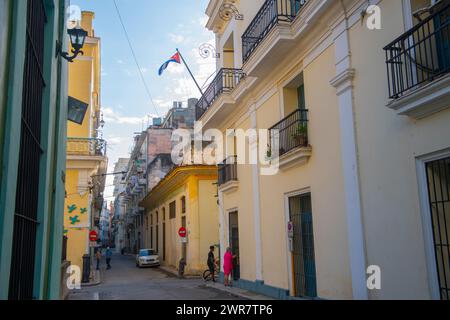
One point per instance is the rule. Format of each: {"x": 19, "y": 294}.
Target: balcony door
{"x": 442, "y": 26}
{"x": 438, "y": 181}
{"x": 234, "y": 243}
{"x": 303, "y": 256}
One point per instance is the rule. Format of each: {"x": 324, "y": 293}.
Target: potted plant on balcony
{"x": 269, "y": 153}
{"x": 300, "y": 135}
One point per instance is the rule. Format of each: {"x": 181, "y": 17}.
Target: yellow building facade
{"x": 86, "y": 153}
{"x": 186, "y": 197}
{"x": 353, "y": 157}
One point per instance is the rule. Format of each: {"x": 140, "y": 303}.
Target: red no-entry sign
{"x": 93, "y": 236}
{"x": 182, "y": 232}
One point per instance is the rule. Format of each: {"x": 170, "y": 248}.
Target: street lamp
{"x": 77, "y": 38}
{"x": 102, "y": 122}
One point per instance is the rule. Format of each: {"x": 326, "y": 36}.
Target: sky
{"x": 155, "y": 28}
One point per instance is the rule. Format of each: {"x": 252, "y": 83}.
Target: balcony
{"x": 86, "y": 147}
{"x": 418, "y": 66}
{"x": 293, "y": 140}
{"x": 271, "y": 14}
{"x": 227, "y": 173}
{"x": 224, "y": 82}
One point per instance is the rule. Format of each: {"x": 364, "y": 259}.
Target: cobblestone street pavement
{"x": 126, "y": 282}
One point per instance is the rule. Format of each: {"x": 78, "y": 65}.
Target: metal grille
{"x": 183, "y": 204}
{"x": 438, "y": 174}
{"x": 234, "y": 244}
{"x": 228, "y": 170}
{"x": 292, "y": 131}
{"x": 164, "y": 242}
{"x": 172, "y": 210}
{"x": 225, "y": 81}
{"x": 272, "y": 13}
{"x": 25, "y": 218}
{"x": 86, "y": 147}
{"x": 303, "y": 253}
{"x": 420, "y": 55}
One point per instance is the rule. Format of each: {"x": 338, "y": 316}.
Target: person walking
{"x": 212, "y": 262}
{"x": 228, "y": 267}
{"x": 98, "y": 255}
{"x": 108, "y": 258}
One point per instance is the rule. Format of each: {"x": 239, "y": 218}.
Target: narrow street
{"x": 126, "y": 282}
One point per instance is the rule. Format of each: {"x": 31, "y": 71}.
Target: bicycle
{"x": 207, "y": 276}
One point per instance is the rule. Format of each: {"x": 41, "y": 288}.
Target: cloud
{"x": 115, "y": 140}
{"x": 110, "y": 116}
{"x": 176, "y": 69}
{"x": 176, "y": 38}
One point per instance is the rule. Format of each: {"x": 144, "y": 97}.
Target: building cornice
{"x": 174, "y": 180}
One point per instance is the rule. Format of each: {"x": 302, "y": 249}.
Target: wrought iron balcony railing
{"x": 272, "y": 13}
{"x": 225, "y": 81}
{"x": 228, "y": 170}
{"x": 420, "y": 55}
{"x": 86, "y": 147}
{"x": 292, "y": 131}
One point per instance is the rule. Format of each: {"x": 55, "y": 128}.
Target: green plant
{"x": 301, "y": 130}
{"x": 269, "y": 152}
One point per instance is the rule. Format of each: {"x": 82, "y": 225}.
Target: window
{"x": 294, "y": 95}
{"x": 438, "y": 176}
{"x": 173, "y": 210}
{"x": 26, "y": 224}
{"x": 147, "y": 253}
{"x": 183, "y": 205}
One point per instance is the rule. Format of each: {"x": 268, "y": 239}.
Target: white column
{"x": 256, "y": 204}
{"x": 343, "y": 83}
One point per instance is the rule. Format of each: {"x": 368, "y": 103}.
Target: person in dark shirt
{"x": 211, "y": 262}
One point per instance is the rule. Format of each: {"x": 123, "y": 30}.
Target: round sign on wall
{"x": 93, "y": 236}
{"x": 182, "y": 232}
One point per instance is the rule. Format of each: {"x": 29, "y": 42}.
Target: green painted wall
{"x": 11, "y": 141}
{"x": 52, "y": 169}
{"x": 50, "y": 232}
{"x": 5, "y": 14}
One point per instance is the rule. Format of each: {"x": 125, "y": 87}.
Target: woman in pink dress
{"x": 227, "y": 266}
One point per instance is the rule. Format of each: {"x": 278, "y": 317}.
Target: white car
{"x": 147, "y": 258}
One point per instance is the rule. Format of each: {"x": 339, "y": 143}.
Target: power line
{"x": 135, "y": 58}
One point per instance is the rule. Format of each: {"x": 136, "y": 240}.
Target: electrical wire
{"x": 135, "y": 58}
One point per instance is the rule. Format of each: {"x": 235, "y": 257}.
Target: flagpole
{"x": 190, "y": 72}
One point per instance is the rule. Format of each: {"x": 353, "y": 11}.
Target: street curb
{"x": 94, "y": 284}
{"x": 233, "y": 291}
{"x": 175, "y": 273}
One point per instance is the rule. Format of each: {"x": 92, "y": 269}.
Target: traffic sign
{"x": 93, "y": 236}
{"x": 182, "y": 232}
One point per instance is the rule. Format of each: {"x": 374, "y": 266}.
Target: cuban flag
{"x": 175, "y": 58}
